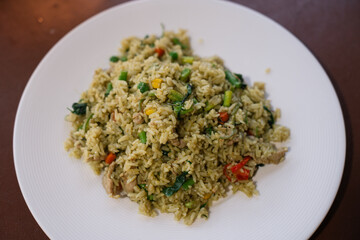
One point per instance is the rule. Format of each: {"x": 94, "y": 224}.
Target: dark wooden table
{"x": 329, "y": 28}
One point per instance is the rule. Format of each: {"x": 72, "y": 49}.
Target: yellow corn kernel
{"x": 150, "y": 111}
{"x": 156, "y": 83}
{"x": 207, "y": 196}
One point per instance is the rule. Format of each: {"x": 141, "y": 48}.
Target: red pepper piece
{"x": 223, "y": 117}
{"x": 239, "y": 172}
{"x": 159, "y": 52}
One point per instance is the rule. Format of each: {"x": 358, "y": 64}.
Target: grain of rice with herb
{"x": 173, "y": 131}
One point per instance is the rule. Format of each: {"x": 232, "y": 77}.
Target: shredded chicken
{"x": 108, "y": 183}
{"x": 137, "y": 118}
{"x": 274, "y": 158}
{"x": 128, "y": 187}
{"x": 180, "y": 143}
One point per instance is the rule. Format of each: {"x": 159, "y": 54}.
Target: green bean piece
{"x": 114, "y": 59}
{"x": 188, "y": 59}
{"x": 108, "y": 89}
{"x": 123, "y": 76}
{"x": 186, "y": 111}
{"x": 209, "y": 106}
{"x": 176, "y": 41}
{"x": 227, "y": 98}
{"x": 174, "y": 56}
{"x": 185, "y": 74}
{"x": 175, "y": 96}
{"x": 142, "y": 136}
{"x": 143, "y": 87}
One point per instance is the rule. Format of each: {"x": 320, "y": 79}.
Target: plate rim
{"x": 92, "y": 18}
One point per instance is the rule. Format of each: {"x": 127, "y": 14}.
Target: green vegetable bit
{"x": 85, "y": 126}
{"x": 174, "y": 56}
{"x": 232, "y": 79}
{"x": 190, "y": 204}
{"x": 142, "y": 137}
{"x": 143, "y": 87}
{"x": 176, "y": 41}
{"x": 114, "y": 59}
{"x": 177, "y": 108}
{"x": 108, "y": 89}
{"x": 188, "y": 183}
{"x": 209, "y": 106}
{"x": 175, "y": 96}
{"x": 203, "y": 205}
{"x": 149, "y": 197}
{"x": 188, "y": 93}
{"x": 227, "y": 98}
{"x": 123, "y": 59}
{"x": 185, "y": 74}
{"x": 123, "y": 76}
{"x": 79, "y": 108}
{"x": 188, "y": 59}
{"x": 180, "y": 180}
{"x": 209, "y": 130}
{"x": 271, "y": 120}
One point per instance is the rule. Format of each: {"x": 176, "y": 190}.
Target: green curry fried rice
{"x": 173, "y": 131}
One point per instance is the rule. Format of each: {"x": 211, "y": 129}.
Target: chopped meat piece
{"x": 128, "y": 187}
{"x": 274, "y": 158}
{"x": 108, "y": 183}
{"x": 137, "y": 118}
{"x": 180, "y": 143}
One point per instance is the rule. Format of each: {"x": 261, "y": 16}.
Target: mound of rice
{"x": 177, "y": 131}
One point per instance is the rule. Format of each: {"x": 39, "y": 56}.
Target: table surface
{"x": 329, "y": 28}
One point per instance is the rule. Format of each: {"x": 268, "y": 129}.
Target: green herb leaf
{"x": 188, "y": 183}
{"x": 189, "y": 91}
{"x": 272, "y": 120}
{"x": 176, "y": 41}
{"x": 180, "y": 180}
{"x": 79, "y": 108}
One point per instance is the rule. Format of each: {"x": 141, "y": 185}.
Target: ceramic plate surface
{"x": 68, "y": 200}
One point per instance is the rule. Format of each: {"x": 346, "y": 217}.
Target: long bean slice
{"x": 175, "y": 96}
{"x": 185, "y": 74}
{"x": 123, "y": 76}
{"x": 108, "y": 89}
{"x": 142, "y": 136}
{"x": 227, "y": 98}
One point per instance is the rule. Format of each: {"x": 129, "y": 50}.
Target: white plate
{"x": 67, "y": 199}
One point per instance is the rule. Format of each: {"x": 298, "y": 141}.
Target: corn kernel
{"x": 156, "y": 83}
{"x": 150, "y": 111}
{"x": 207, "y": 196}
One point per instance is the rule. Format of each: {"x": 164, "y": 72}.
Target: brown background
{"x": 330, "y": 29}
